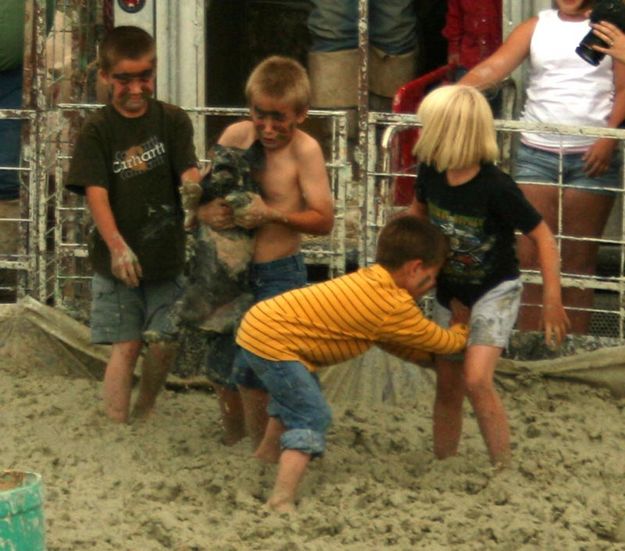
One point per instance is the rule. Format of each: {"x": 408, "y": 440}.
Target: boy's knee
{"x": 477, "y": 383}
{"x": 162, "y": 351}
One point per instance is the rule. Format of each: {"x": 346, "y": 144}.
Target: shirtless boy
{"x": 296, "y": 199}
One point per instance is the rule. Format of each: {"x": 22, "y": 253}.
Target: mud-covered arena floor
{"x": 169, "y": 484}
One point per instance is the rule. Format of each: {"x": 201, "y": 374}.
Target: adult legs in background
{"x": 333, "y": 58}
{"x": 584, "y": 215}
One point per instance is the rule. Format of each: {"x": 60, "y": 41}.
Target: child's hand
{"x": 216, "y": 214}
{"x": 125, "y": 264}
{"x": 253, "y": 215}
{"x": 556, "y": 324}
{"x": 459, "y": 312}
{"x": 190, "y": 193}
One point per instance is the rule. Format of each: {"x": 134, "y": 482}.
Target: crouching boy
{"x": 286, "y": 339}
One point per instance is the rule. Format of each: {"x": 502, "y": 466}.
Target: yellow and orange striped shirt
{"x": 336, "y": 320}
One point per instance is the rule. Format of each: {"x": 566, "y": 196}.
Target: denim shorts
{"x": 295, "y": 398}
{"x": 538, "y": 165}
{"x": 269, "y": 279}
{"x": 120, "y": 313}
{"x": 492, "y": 317}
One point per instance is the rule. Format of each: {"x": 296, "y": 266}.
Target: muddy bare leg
{"x": 156, "y": 364}
{"x": 231, "y": 409}
{"x": 255, "y": 403}
{"x": 118, "y": 379}
{"x": 447, "y": 416}
{"x": 269, "y": 448}
{"x": 291, "y": 469}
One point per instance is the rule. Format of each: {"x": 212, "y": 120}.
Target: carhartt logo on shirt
{"x": 139, "y": 158}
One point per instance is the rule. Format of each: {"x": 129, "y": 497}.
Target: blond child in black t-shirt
{"x": 479, "y": 207}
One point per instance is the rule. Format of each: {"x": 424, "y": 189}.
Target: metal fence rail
{"x": 67, "y": 268}
{"x": 608, "y": 310}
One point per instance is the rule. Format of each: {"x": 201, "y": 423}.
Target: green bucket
{"x": 22, "y": 526}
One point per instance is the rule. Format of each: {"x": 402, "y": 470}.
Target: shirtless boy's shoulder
{"x": 239, "y": 134}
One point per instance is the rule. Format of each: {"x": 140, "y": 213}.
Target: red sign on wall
{"x": 131, "y": 6}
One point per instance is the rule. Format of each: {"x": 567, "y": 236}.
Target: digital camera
{"x": 612, "y": 11}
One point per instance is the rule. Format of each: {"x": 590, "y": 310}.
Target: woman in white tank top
{"x": 563, "y": 89}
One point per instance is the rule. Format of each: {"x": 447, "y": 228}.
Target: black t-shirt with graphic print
{"x": 479, "y": 217}
{"x": 139, "y": 161}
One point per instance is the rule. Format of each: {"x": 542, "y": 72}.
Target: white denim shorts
{"x": 492, "y": 317}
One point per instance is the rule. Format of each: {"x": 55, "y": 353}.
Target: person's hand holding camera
{"x": 613, "y": 37}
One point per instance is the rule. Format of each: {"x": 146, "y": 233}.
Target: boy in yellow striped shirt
{"x": 286, "y": 339}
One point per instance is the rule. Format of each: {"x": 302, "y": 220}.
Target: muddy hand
{"x": 459, "y": 312}
{"x": 125, "y": 265}
{"x": 253, "y": 215}
{"x": 190, "y": 193}
{"x": 216, "y": 214}
{"x": 556, "y": 324}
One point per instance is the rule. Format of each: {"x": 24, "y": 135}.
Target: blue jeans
{"x": 333, "y": 25}
{"x": 295, "y": 399}
{"x": 267, "y": 280}
{"x": 538, "y": 165}
{"x": 10, "y": 98}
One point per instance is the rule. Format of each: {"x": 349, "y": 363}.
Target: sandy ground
{"x": 169, "y": 484}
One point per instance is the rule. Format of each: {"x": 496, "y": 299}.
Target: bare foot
{"x": 115, "y": 415}
{"x": 230, "y": 438}
{"x": 267, "y": 454}
{"x": 278, "y": 505}
{"x": 141, "y": 414}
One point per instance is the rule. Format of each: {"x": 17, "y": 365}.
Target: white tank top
{"x": 563, "y": 88}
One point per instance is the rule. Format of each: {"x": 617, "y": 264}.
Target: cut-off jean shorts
{"x": 492, "y": 317}
{"x": 120, "y": 313}
{"x": 295, "y": 399}
{"x": 538, "y": 165}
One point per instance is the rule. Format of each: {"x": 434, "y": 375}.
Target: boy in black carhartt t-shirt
{"x": 129, "y": 161}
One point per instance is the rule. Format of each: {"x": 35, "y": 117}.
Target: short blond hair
{"x": 280, "y": 78}
{"x": 458, "y": 129}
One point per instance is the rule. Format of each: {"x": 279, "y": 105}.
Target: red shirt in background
{"x": 473, "y": 30}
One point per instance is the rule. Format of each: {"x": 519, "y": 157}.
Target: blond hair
{"x": 458, "y": 130}
{"x": 281, "y": 78}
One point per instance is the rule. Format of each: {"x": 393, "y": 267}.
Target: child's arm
{"x": 411, "y": 336}
{"x": 317, "y": 218}
{"x": 190, "y": 193}
{"x": 124, "y": 263}
{"x": 555, "y": 320}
